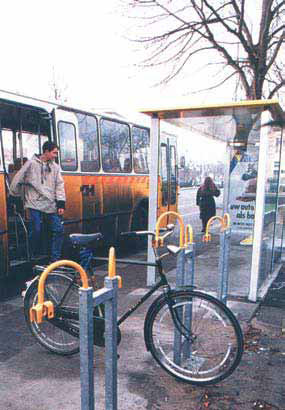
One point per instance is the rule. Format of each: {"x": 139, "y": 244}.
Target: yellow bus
{"x": 105, "y": 164}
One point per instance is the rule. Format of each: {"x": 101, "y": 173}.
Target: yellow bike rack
{"x": 227, "y": 220}
{"x": 43, "y": 308}
{"x": 186, "y": 235}
{"x": 112, "y": 267}
{"x": 224, "y": 221}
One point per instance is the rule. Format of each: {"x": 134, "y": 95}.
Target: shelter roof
{"x": 171, "y": 112}
{"x": 215, "y": 120}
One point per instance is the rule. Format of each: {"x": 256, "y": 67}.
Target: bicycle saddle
{"x": 84, "y": 238}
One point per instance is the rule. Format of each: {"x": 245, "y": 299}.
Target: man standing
{"x": 44, "y": 197}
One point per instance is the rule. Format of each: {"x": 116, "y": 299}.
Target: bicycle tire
{"x": 216, "y": 345}
{"x": 49, "y": 336}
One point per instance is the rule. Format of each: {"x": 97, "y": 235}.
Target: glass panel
{"x": 274, "y": 206}
{"x": 24, "y": 141}
{"x": 115, "y": 142}
{"x": 163, "y": 174}
{"x": 244, "y": 150}
{"x": 67, "y": 141}
{"x": 7, "y": 137}
{"x": 140, "y": 150}
{"x": 30, "y": 145}
{"x": 88, "y": 143}
{"x": 280, "y": 235}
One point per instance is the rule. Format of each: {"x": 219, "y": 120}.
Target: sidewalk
{"x": 33, "y": 379}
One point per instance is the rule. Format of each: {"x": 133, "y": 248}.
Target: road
{"x": 188, "y": 208}
{"x": 32, "y": 378}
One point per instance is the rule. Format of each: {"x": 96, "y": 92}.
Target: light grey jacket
{"x": 42, "y": 185}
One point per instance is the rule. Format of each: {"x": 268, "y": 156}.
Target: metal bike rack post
{"x": 111, "y": 393}
{"x": 184, "y": 278}
{"x": 87, "y": 301}
{"x": 86, "y": 348}
{"x": 185, "y": 267}
{"x": 225, "y": 238}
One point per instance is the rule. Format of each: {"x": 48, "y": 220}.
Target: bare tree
{"x": 244, "y": 38}
{"x": 58, "y": 88}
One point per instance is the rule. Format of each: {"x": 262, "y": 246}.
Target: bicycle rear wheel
{"x": 47, "y": 334}
{"x": 206, "y": 345}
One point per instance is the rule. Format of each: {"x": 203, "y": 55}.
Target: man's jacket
{"x": 42, "y": 185}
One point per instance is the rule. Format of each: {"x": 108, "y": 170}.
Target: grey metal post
{"x": 111, "y": 346}
{"x": 180, "y": 280}
{"x": 180, "y": 269}
{"x": 184, "y": 277}
{"x": 189, "y": 281}
{"x": 224, "y": 265}
{"x": 86, "y": 348}
{"x": 190, "y": 266}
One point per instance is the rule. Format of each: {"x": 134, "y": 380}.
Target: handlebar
{"x": 164, "y": 232}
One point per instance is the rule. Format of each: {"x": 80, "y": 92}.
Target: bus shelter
{"x": 253, "y": 181}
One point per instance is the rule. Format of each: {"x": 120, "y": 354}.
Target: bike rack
{"x": 225, "y": 237}
{"x": 184, "y": 278}
{"x": 185, "y": 273}
{"x": 88, "y": 299}
{"x": 186, "y": 255}
{"x": 43, "y": 308}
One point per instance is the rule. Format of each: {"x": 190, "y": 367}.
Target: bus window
{"x": 7, "y": 137}
{"x": 30, "y": 145}
{"x": 67, "y": 142}
{"x": 116, "y": 147}
{"x": 164, "y": 173}
{"x": 88, "y": 137}
{"x": 140, "y": 149}
{"x": 30, "y": 136}
{"x": 173, "y": 175}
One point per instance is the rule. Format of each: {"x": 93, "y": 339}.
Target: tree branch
{"x": 276, "y": 51}
{"x": 216, "y": 85}
{"x": 276, "y": 89}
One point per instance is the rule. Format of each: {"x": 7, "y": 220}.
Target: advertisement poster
{"x": 242, "y": 193}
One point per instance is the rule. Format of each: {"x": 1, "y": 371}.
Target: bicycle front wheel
{"x": 198, "y": 341}
{"x": 47, "y": 334}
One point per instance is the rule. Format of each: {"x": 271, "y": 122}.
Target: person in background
{"x": 42, "y": 184}
{"x": 206, "y": 202}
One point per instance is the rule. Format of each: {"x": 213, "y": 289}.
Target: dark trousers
{"x": 54, "y": 222}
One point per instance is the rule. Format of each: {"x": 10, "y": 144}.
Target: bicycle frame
{"x": 64, "y": 313}
{"x": 163, "y": 282}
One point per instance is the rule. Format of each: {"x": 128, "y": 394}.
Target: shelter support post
{"x": 152, "y": 212}
{"x": 259, "y": 210}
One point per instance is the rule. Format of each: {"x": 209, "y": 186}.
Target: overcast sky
{"x": 82, "y": 43}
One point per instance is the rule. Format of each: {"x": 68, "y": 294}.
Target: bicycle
{"x": 190, "y": 334}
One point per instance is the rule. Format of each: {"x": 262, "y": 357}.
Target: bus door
{"x": 168, "y": 174}
{"x": 3, "y": 215}
{"x": 91, "y": 179}
{"x": 23, "y": 131}
{"x": 66, "y": 128}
